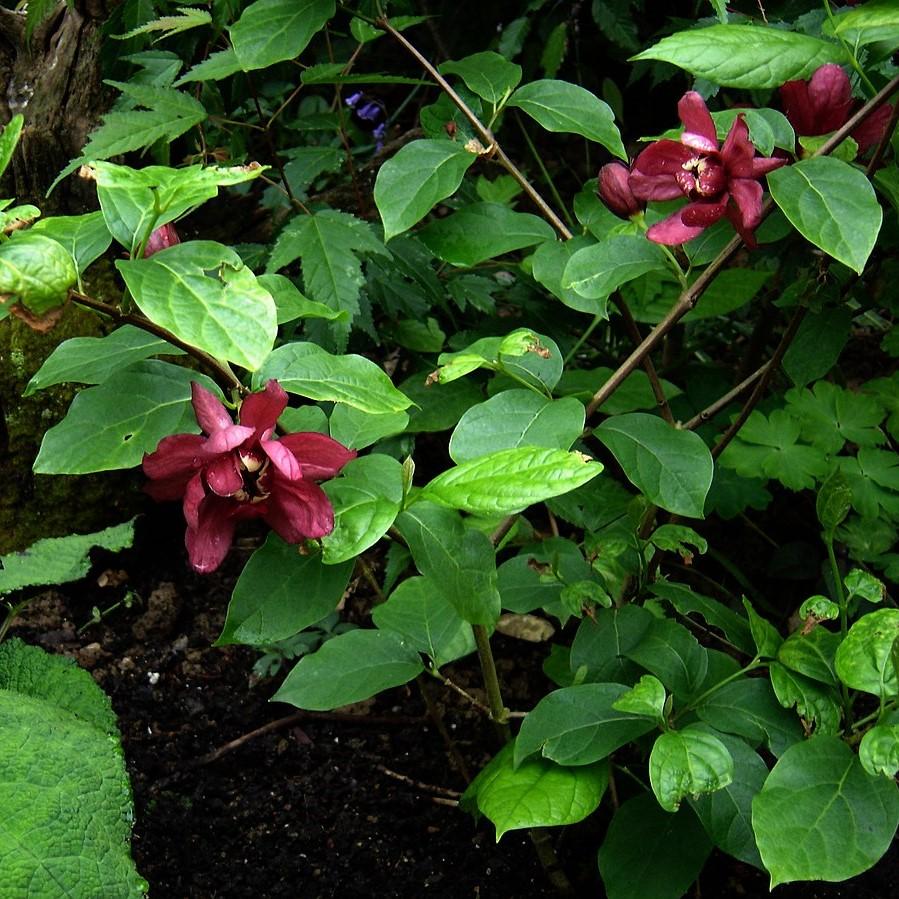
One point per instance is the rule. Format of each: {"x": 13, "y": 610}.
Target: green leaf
{"x": 769, "y": 447}
{"x": 832, "y": 416}
{"x": 67, "y": 802}
{"x": 537, "y": 793}
{"x": 487, "y": 74}
{"x": 563, "y": 107}
{"x": 93, "y": 360}
{"x": 811, "y": 654}
{"x": 650, "y": 853}
{"x": 460, "y": 561}
{"x": 101, "y": 433}
{"x": 538, "y": 576}
{"x": 270, "y": 31}
{"x": 670, "y": 652}
{"x": 135, "y": 202}
{"x": 768, "y": 128}
{"x": 678, "y": 538}
{"x": 418, "y": 177}
{"x": 688, "y": 762}
{"x": 832, "y": 204}
{"x": 727, "y": 813}
{"x": 307, "y": 370}
{"x": 548, "y": 265}
{"x": 600, "y": 646}
{"x": 357, "y": 429}
{"x": 218, "y": 65}
{"x": 821, "y": 816}
{"x": 482, "y": 231}
{"x": 873, "y": 23}
{"x": 438, "y": 406}
{"x": 817, "y": 345}
{"x": 419, "y": 612}
{"x": 329, "y": 244}
{"x": 510, "y": 480}
{"x": 228, "y": 315}
{"x": 9, "y": 139}
{"x": 646, "y": 699}
{"x": 58, "y": 560}
{"x": 864, "y": 585}
{"x": 264, "y": 607}
{"x": 765, "y": 635}
{"x": 579, "y": 725}
{"x": 864, "y": 661}
{"x": 815, "y": 703}
{"x": 672, "y": 468}
{"x": 747, "y": 56}
{"x": 516, "y": 418}
{"x": 186, "y": 19}
{"x": 879, "y": 750}
{"x": 748, "y": 708}
{"x": 873, "y": 477}
{"x": 366, "y": 497}
{"x": 36, "y": 272}
{"x": 597, "y": 271}
{"x": 349, "y": 668}
{"x": 819, "y": 608}
{"x": 833, "y": 502}
{"x": 86, "y": 237}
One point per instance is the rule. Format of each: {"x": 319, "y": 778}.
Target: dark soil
{"x": 355, "y": 803}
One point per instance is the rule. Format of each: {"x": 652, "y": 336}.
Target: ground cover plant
{"x": 515, "y": 372}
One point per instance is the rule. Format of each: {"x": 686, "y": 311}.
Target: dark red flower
{"x": 718, "y": 182}
{"x": 824, "y": 103}
{"x": 615, "y": 191}
{"x": 239, "y": 471}
{"x": 162, "y": 238}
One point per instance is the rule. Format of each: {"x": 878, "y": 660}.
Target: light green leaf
{"x": 673, "y": 468}
{"x": 873, "y": 23}
{"x": 688, "y": 762}
{"x": 749, "y": 709}
{"x": 482, "y": 231}
{"x": 101, "y": 433}
{"x": 597, "y": 271}
{"x": 820, "y": 608}
{"x": 86, "y": 237}
{"x": 535, "y": 794}
{"x": 768, "y": 128}
{"x": 873, "y": 477}
{"x": 764, "y": 634}
{"x": 366, "y": 498}
{"x": 93, "y": 360}
{"x": 832, "y": 416}
{"x": 36, "y": 272}
{"x": 579, "y": 725}
{"x": 560, "y": 106}
{"x": 58, "y": 560}
{"x": 349, "y": 668}
{"x": 864, "y": 585}
{"x": 821, "y": 816}
{"x": 307, "y": 370}
{"x": 510, "y": 480}
{"x": 216, "y": 66}
{"x": 264, "y": 606}
{"x": 228, "y": 315}
{"x": 548, "y": 266}
{"x": 646, "y": 699}
{"x": 815, "y": 703}
{"x": 270, "y": 31}
{"x": 420, "y": 613}
{"x": 186, "y": 19}
{"x": 357, "y": 429}
{"x": 832, "y": 204}
{"x": 879, "y": 750}
{"x": 747, "y": 56}
{"x": 487, "y": 74}
{"x": 678, "y": 538}
{"x": 418, "y": 177}
{"x": 460, "y": 561}
{"x": 649, "y": 852}
{"x": 516, "y": 418}
{"x": 9, "y": 139}
{"x": 438, "y": 406}
{"x": 864, "y": 660}
{"x": 291, "y": 304}
{"x": 811, "y": 654}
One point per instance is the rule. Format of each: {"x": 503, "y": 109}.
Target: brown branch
{"x": 712, "y": 410}
{"x": 222, "y": 372}
{"x": 864, "y": 113}
{"x": 429, "y": 788}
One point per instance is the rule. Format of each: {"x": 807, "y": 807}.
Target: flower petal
{"x": 672, "y": 230}
{"x": 703, "y": 213}
{"x": 176, "y": 456}
{"x": 696, "y": 118}
{"x": 229, "y": 438}
{"x": 872, "y": 129}
{"x": 655, "y": 187}
{"x": 194, "y": 494}
{"x": 615, "y": 190}
{"x": 320, "y": 456}
{"x": 761, "y": 165}
{"x": 298, "y": 510}
{"x": 282, "y": 458}
{"x": 797, "y": 106}
{"x": 698, "y": 142}
{"x": 261, "y": 410}
{"x": 738, "y": 150}
{"x": 747, "y": 196}
{"x": 211, "y": 414}
{"x": 830, "y": 97}
{"x": 223, "y": 475}
{"x": 208, "y": 543}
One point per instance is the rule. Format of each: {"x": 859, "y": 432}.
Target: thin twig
{"x": 480, "y": 706}
{"x": 763, "y": 381}
{"x": 221, "y": 371}
{"x": 633, "y": 330}
{"x": 712, "y": 410}
{"x": 430, "y": 788}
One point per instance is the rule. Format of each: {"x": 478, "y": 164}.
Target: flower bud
{"x": 162, "y": 238}
{"x": 615, "y": 190}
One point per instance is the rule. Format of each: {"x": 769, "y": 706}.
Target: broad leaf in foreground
{"x": 686, "y": 763}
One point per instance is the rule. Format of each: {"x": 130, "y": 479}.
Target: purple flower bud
{"x": 354, "y": 99}
{"x": 615, "y": 190}
{"x": 162, "y": 238}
